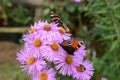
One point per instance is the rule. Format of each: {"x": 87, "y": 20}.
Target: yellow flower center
{"x": 37, "y": 43}
{"x": 47, "y": 27}
{"x": 32, "y": 30}
{"x": 31, "y": 60}
{"x": 69, "y": 59}
{"x": 43, "y": 76}
{"x": 54, "y": 46}
{"x": 61, "y": 30}
{"x": 81, "y": 68}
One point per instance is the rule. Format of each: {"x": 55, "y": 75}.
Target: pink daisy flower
{"x": 66, "y": 64}
{"x": 77, "y": 0}
{"x": 84, "y": 71}
{"x": 104, "y": 78}
{"x": 34, "y": 43}
{"x": 51, "y": 32}
{"x": 33, "y": 30}
{"x": 47, "y": 30}
{"x": 25, "y": 37}
{"x": 45, "y": 26}
{"x": 81, "y": 51}
{"x": 45, "y": 74}
{"x": 51, "y": 51}
{"x": 30, "y": 63}
{"x": 62, "y": 35}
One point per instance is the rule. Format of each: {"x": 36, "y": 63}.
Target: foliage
{"x": 105, "y": 15}
{"x": 14, "y": 15}
{"x": 97, "y": 22}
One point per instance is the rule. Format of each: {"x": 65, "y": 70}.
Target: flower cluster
{"x": 43, "y": 57}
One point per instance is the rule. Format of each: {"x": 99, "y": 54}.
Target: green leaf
{"x": 27, "y": 20}
{"x": 117, "y": 12}
{"x": 117, "y": 16}
{"x": 4, "y": 16}
{"x": 98, "y": 64}
{"x": 97, "y": 4}
{"x": 102, "y": 11}
{"x": 114, "y": 45}
{"x": 104, "y": 27}
{"x": 46, "y": 11}
{"x": 80, "y": 8}
{"x": 116, "y": 6}
{"x": 108, "y": 37}
{"x": 52, "y": 6}
{"x": 9, "y": 4}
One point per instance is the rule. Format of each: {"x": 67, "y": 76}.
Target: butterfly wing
{"x": 67, "y": 46}
{"x": 56, "y": 19}
{"x": 70, "y": 50}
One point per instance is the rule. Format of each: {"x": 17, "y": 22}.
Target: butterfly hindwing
{"x": 70, "y": 50}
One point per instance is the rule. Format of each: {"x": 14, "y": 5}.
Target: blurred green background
{"x": 95, "y": 21}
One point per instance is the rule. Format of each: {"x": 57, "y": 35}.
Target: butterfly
{"x": 71, "y": 45}
{"x": 56, "y": 19}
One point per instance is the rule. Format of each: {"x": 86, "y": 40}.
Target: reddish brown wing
{"x": 75, "y": 44}
{"x": 67, "y": 46}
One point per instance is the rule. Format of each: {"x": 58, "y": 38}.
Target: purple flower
{"x": 61, "y": 35}
{"x": 67, "y": 63}
{"x": 25, "y": 37}
{"x": 51, "y": 51}
{"x": 84, "y": 71}
{"x": 30, "y": 63}
{"x": 45, "y": 26}
{"x": 33, "y": 30}
{"x": 104, "y": 78}
{"x": 77, "y": 0}
{"x": 49, "y": 32}
{"x": 34, "y": 43}
{"x": 45, "y": 74}
{"x": 81, "y": 51}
